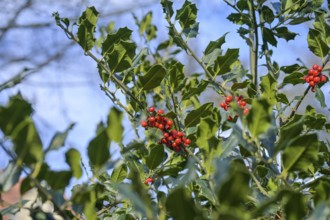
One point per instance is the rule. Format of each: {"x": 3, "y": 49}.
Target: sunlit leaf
{"x": 153, "y": 77}
{"x": 73, "y": 158}
{"x": 86, "y": 28}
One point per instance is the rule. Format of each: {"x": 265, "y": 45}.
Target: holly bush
{"x": 257, "y": 154}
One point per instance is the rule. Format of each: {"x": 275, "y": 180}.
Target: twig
{"x": 255, "y": 44}
{"x": 103, "y": 66}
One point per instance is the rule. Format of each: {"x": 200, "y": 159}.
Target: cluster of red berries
{"x": 239, "y": 100}
{"x": 173, "y": 139}
{"x": 315, "y": 76}
{"x": 149, "y": 180}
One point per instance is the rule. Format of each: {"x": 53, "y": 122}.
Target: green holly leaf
{"x": 98, "y": 148}
{"x": 258, "y": 120}
{"x": 86, "y": 28}
{"x": 119, "y": 173}
{"x": 301, "y": 153}
{"x": 193, "y": 117}
{"x": 115, "y": 129}
{"x": 153, "y": 78}
{"x": 73, "y": 158}
{"x": 187, "y": 15}
{"x": 155, "y": 157}
{"x": 223, "y": 63}
{"x": 317, "y": 44}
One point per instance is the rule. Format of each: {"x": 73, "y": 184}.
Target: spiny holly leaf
{"x": 268, "y": 35}
{"x": 115, "y": 129}
{"x": 223, "y": 63}
{"x": 194, "y": 116}
{"x": 178, "y": 201}
{"x": 215, "y": 44}
{"x": 235, "y": 189}
{"x": 290, "y": 131}
{"x": 123, "y": 34}
{"x": 121, "y": 56}
{"x": 301, "y": 153}
{"x": 268, "y": 88}
{"x": 240, "y": 85}
{"x": 290, "y": 69}
{"x": 195, "y": 90}
{"x": 73, "y": 158}
{"x": 317, "y": 44}
{"x": 58, "y": 180}
{"x": 153, "y": 78}
{"x": 119, "y": 173}
{"x": 209, "y": 145}
{"x": 322, "y": 27}
{"x": 205, "y": 190}
{"x": 14, "y": 113}
{"x": 191, "y": 32}
{"x": 295, "y": 206}
{"x": 167, "y": 7}
{"x": 283, "y": 32}
{"x": 155, "y": 156}
{"x": 187, "y": 15}
{"x": 59, "y": 138}
{"x": 320, "y": 96}
{"x": 294, "y": 78}
{"x": 98, "y": 148}
{"x": 259, "y": 117}
{"x": 86, "y": 29}
{"x": 176, "y": 72}
{"x": 87, "y": 198}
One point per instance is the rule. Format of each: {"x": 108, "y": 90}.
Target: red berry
{"x": 243, "y": 103}
{"x": 317, "y": 79}
{"x": 178, "y": 141}
{"x": 161, "y": 127}
{"x": 230, "y": 118}
{"x": 323, "y": 78}
{"x": 174, "y": 144}
{"x": 187, "y": 141}
{"x": 152, "y": 119}
{"x": 144, "y": 124}
{"x": 180, "y": 134}
{"x": 310, "y": 72}
{"x": 174, "y": 132}
{"x": 223, "y": 105}
{"x": 319, "y": 69}
{"x": 312, "y": 83}
{"x": 315, "y": 67}
{"x": 166, "y": 135}
{"x": 149, "y": 180}
{"x": 315, "y": 73}
{"x": 151, "y": 109}
{"x": 246, "y": 111}
{"x": 169, "y": 123}
{"x": 160, "y": 112}
{"x": 228, "y": 99}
